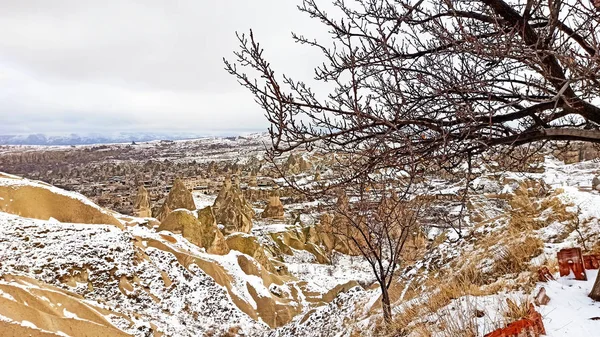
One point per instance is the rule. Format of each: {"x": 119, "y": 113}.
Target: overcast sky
{"x": 81, "y": 66}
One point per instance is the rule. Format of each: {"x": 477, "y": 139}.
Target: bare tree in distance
{"x": 378, "y": 225}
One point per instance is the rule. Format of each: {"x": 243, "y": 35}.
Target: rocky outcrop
{"x": 179, "y": 197}
{"x": 596, "y": 183}
{"x": 212, "y": 238}
{"x": 250, "y": 246}
{"x": 37, "y": 200}
{"x": 201, "y": 231}
{"x": 340, "y": 221}
{"x": 334, "y": 230}
{"x": 296, "y": 164}
{"x": 274, "y": 209}
{"x": 255, "y": 194}
{"x": 136, "y": 275}
{"x": 232, "y": 210}
{"x": 183, "y": 222}
{"x": 26, "y": 299}
{"x": 141, "y": 205}
{"x": 306, "y": 238}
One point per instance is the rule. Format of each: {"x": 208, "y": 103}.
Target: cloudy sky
{"x": 81, "y": 66}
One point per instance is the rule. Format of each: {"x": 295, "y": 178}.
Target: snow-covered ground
{"x": 191, "y": 302}
{"x": 570, "y": 311}
{"x": 202, "y": 200}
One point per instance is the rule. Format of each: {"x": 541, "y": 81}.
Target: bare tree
{"x": 377, "y": 225}
{"x": 435, "y": 84}
{"x": 442, "y": 79}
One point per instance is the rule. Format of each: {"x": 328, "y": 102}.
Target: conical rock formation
{"x": 201, "y": 231}
{"x": 232, "y": 210}
{"x": 141, "y": 205}
{"x": 296, "y": 164}
{"x": 212, "y": 239}
{"x": 335, "y": 230}
{"x": 274, "y": 209}
{"x": 179, "y": 197}
{"x": 340, "y": 221}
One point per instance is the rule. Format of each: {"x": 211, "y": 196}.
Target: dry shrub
{"x": 447, "y": 322}
{"x": 509, "y": 252}
{"x": 401, "y": 325}
{"x": 461, "y": 325}
{"x": 469, "y": 280}
{"x": 514, "y": 257}
{"x": 516, "y": 310}
{"x": 533, "y": 206}
{"x": 444, "y": 288}
{"x": 504, "y": 253}
{"x": 551, "y": 264}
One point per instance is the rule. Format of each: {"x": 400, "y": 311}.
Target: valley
{"x": 203, "y": 238}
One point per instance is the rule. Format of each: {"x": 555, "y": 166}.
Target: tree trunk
{"x": 595, "y": 293}
{"x": 385, "y": 304}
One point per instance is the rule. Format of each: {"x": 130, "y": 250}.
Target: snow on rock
{"x": 338, "y": 318}
{"x": 100, "y": 262}
{"x": 39, "y": 200}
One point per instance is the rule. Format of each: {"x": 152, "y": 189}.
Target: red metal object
{"x": 544, "y": 275}
{"x": 591, "y": 261}
{"x": 541, "y": 298}
{"x": 532, "y": 326}
{"x": 571, "y": 260}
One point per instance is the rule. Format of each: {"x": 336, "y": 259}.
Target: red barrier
{"x": 532, "y": 326}
{"x": 571, "y": 260}
{"x": 591, "y": 261}
{"x": 544, "y": 275}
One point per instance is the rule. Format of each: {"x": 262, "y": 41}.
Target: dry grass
{"x": 444, "y": 288}
{"x": 510, "y": 254}
{"x": 515, "y": 310}
{"x": 514, "y": 256}
{"x": 446, "y": 323}
{"x": 533, "y": 206}
{"x": 499, "y": 261}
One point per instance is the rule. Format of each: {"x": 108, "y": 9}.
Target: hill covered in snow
{"x": 69, "y": 267}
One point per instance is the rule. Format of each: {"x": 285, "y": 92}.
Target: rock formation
{"x": 232, "y": 210}
{"x": 141, "y": 205}
{"x": 212, "y": 238}
{"x": 250, "y": 246}
{"x": 340, "y": 221}
{"x": 306, "y": 238}
{"x": 296, "y": 164}
{"x": 32, "y": 199}
{"x": 201, "y": 231}
{"x": 274, "y": 209}
{"x": 179, "y": 197}
{"x": 334, "y": 230}
{"x": 596, "y": 183}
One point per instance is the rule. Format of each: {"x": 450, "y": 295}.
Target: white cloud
{"x": 84, "y": 66}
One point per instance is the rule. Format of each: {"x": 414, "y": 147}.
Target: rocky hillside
{"x": 93, "y": 272}
{"x": 223, "y": 265}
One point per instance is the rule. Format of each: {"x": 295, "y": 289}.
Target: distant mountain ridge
{"x": 76, "y": 139}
